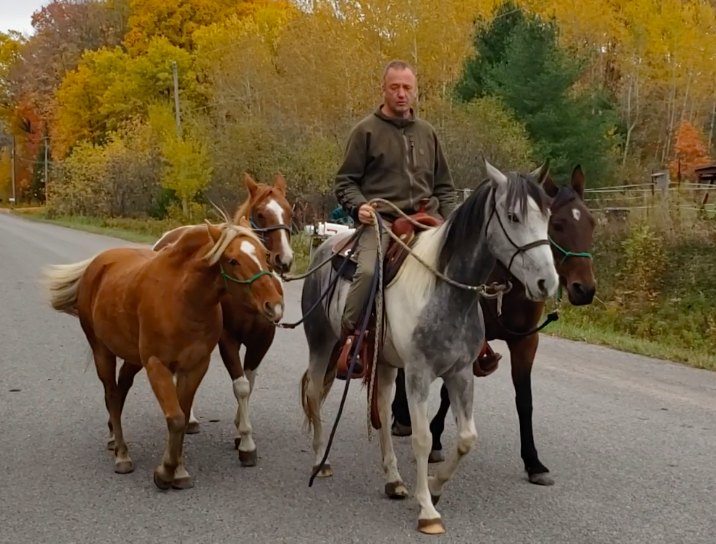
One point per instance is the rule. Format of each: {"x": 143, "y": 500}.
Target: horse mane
{"x": 228, "y": 233}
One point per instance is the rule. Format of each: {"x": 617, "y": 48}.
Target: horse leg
{"x": 522, "y": 355}
{"x": 193, "y": 426}
{"x": 437, "y": 427}
{"x": 394, "y": 486}
{"x": 229, "y": 348}
{"x": 316, "y": 383}
{"x": 460, "y": 388}
{"x": 127, "y": 372}
{"x": 255, "y": 352}
{"x": 401, "y": 414}
{"x": 161, "y": 380}
{"x": 106, "y": 364}
{"x": 417, "y": 387}
{"x": 187, "y": 384}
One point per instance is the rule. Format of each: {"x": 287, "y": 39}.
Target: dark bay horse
{"x": 269, "y": 214}
{"x": 571, "y": 227}
{"x": 161, "y": 312}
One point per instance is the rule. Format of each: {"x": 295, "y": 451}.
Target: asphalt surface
{"x": 630, "y": 442}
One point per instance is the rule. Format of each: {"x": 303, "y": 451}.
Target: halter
{"x": 566, "y": 254}
{"x": 519, "y": 249}
{"x": 261, "y": 231}
{"x": 247, "y": 282}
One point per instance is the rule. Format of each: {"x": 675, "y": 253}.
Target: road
{"x": 630, "y": 442}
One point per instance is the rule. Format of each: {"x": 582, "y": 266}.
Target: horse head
{"x": 517, "y": 229}
{"x": 243, "y": 264}
{"x": 571, "y": 229}
{"x": 270, "y": 216}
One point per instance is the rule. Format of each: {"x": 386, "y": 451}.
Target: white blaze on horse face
{"x": 576, "y": 214}
{"x": 248, "y": 248}
{"x": 286, "y": 253}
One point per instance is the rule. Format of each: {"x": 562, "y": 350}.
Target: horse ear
{"x": 550, "y": 187}
{"x": 243, "y": 222}
{"x": 578, "y": 181}
{"x": 251, "y": 185}
{"x": 497, "y": 177}
{"x": 541, "y": 173}
{"x": 214, "y": 231}
{"x": 280, "y": 183}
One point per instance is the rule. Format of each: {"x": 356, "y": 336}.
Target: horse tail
{"x": 62, "y": 282}
{"x": 308, "y": 409}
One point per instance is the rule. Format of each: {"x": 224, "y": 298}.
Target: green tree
{"x": 525, "y": 67}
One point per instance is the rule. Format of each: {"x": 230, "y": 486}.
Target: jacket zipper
{"x": 410, "y": 154}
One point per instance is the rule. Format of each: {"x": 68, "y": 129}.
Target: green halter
{"x": 248, "y": 282}
{"x": 565, "y": 255}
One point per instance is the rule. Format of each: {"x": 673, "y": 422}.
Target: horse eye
{"x": 558, "y": 227}
{"x": 513, "y": 217}
{"x": 233, "y": 262}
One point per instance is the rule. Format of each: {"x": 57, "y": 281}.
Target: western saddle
{"x": 487, "y": 360}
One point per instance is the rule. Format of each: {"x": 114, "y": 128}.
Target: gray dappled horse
{"x": 434, "y": 329}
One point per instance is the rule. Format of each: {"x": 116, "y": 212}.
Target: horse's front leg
{"x": 417, "y": 388}
{"x": 394, "y": 486}
{"x": 256, "y": 349}
{"x": 461, "y": 391}
{"x": 193, "y": 426}
{"x": 522, "y": 356}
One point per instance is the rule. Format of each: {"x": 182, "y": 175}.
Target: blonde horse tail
{"x": 62, "y": 283}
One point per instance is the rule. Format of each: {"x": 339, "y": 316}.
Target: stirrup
{"x": 344, "y": 360}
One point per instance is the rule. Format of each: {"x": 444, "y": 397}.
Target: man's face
{"x": 399, "y": 90}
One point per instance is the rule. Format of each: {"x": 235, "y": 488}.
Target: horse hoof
{"x": 124, "y": 467}
{"x": 161, "y": 482}
{"x": 399, "y": 429}
{"x": 396, "y": 490}
{"x": 192, "y": 428}
{"x": 541, "y": 478}
{"x": 248, "y": 458}
{"x": 431, "y": 526}
{"x": 325, "y": 472}
{"x": 183, "y": 483}
{"x": 436, "y": 456}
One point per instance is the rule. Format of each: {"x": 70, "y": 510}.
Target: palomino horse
{"x": 161, "y": 311}
{"x": 433, "y": 325}
{"x": 270, "y": 216}
{"x": 570, "y": 230}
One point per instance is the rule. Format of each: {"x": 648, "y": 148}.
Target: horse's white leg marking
{"x": 461, "y": 390}
{"x": 417, "y": 387}
{"x": 394, "y": 486}
{"x": 286, "y": 252}
{"x": 242, "y": 391}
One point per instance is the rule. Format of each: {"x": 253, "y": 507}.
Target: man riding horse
{"x": 393, "y": 155}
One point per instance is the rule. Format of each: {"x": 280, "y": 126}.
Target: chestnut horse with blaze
{"x": 161, "y": 311}
{"x": 269, "y": 214}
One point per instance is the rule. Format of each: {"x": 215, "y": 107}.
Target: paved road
{"x": 630, "y": 442}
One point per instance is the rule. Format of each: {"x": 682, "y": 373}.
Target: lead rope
{"x": 378, "y": 224}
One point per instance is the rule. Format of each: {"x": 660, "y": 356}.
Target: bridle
{"x": 262, "y": 231}
{"x": 518, "y": 249}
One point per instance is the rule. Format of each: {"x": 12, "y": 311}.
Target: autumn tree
{"x": 690, "y": 151}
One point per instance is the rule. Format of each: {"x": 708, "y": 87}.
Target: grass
{"x": 581, "y": 324}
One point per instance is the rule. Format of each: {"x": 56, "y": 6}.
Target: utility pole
{"x": 12, "y": 163}
{"x": 176, "y": 97}
{"x": 47, "y": 188}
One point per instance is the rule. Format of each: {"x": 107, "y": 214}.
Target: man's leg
{"x": 359, "y": 290}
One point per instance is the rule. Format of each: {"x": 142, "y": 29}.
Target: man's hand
{"x": 365, "y": 214}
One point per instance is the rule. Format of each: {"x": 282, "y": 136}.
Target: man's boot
{"x": 486, "y": 362}
{"x": 343, "y": 352}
